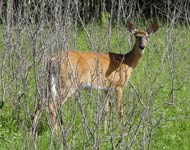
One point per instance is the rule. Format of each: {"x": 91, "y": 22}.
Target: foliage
{"x": 92, "y": 10}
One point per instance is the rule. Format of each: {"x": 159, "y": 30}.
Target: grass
{"x": 163, "y": 124}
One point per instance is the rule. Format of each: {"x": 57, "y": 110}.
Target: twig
{"x": 136, "y": 92}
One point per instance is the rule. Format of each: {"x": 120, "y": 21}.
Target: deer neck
{"x": 133, "y": 57}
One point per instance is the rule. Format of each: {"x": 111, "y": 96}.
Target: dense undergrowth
{"x": 161, "y": 82}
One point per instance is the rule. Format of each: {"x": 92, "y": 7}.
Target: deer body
{"x": 94, "y": 70}
{"x": 73, "y": 69}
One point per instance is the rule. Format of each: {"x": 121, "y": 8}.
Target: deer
{"x": 69, "y": 70}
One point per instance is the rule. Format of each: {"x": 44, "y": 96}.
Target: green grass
{"x": 162, "y": 125}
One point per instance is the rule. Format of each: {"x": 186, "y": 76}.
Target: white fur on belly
{"x": 92, "y": 86}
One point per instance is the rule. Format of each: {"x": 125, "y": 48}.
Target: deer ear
{"x": 131, "y": 27}
{"x": 153, "y": 28}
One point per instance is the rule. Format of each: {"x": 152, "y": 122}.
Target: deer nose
{"x": 141, "y": 47}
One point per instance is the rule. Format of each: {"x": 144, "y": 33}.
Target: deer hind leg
{"x": 58, "y": 99}
{"x": 52, "y": 106}
{"x": 53, "y": 101}
{"x": 35, "y": 118}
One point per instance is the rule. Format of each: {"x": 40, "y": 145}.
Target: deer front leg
{"x": 118, "y": 91}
